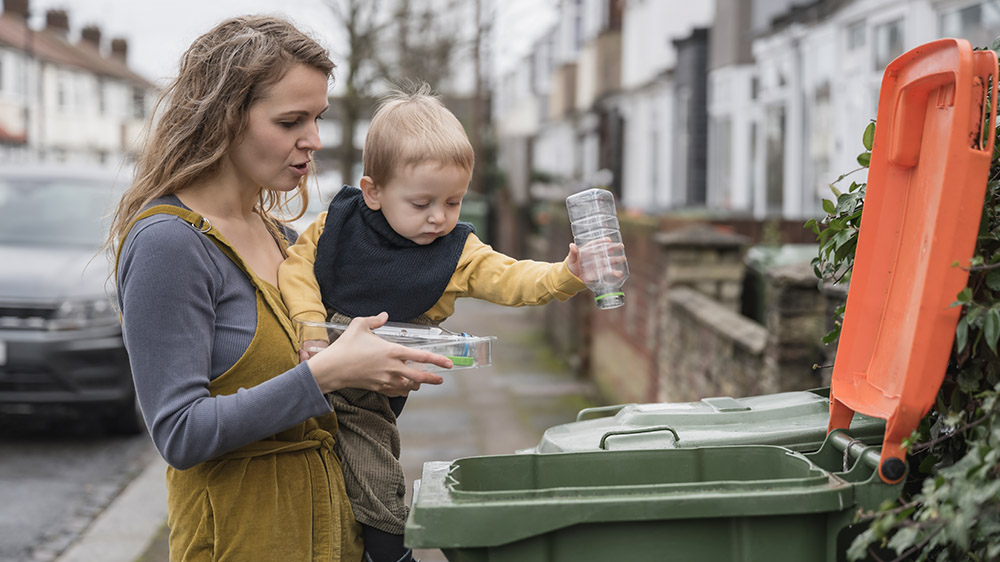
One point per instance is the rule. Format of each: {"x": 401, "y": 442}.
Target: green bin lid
{"x": 796, "y": 420}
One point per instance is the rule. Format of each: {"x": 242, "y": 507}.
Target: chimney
{"x": 91, "y": 35}
{"x": 57, "y": 21}
{"x": 16, "y": 8}
{"x": 119, "y": 49}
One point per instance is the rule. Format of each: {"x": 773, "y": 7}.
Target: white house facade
{"x": 66, "y": 100}
{"x": 791, "y": 86}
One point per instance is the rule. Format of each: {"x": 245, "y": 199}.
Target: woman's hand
{"x": 360, "y": 359}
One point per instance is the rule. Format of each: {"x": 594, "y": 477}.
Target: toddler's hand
{"x": 310, "y": 348}
{"x": 573, "y": 259}
{"x": 603, "y": 259}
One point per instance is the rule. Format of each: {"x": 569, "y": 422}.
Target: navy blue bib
{"x": 364, "y": 267}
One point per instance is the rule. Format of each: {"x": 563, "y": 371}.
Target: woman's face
{"x": 282, "y": 131}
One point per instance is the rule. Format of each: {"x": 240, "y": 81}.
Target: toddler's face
{"x": 421, "y": 202}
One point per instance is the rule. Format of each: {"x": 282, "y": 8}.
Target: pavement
{"x": 491, "y": 410}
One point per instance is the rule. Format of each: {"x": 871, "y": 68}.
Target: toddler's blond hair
{"x": 412, "y": 127}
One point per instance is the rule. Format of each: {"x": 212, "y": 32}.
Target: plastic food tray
{"x": 465, "y": 350}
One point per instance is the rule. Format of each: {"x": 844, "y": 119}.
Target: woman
{"x": 243, "y": 425}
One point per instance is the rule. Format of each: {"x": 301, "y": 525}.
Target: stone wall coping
{"x": 701, "y": 235}
{"x": 720, "y": 318}
{"x": 793, "y": 274}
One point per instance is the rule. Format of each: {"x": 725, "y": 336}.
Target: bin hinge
{"x": 854, "y": 450}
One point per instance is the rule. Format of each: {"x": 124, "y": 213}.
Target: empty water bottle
{"x": 596, "y": 233}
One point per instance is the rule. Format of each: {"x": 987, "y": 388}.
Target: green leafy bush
{"x": 950, "y": 506}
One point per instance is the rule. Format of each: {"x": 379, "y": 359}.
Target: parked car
{"x": 60, "y": 338}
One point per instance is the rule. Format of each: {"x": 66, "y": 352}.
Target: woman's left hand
{"x": 360, "y": 359}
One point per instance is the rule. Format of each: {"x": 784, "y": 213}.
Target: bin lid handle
{"x": 650, "y": 429}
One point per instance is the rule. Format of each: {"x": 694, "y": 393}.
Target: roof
{"x": 52, "y": 47}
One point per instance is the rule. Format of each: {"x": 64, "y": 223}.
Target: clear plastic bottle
{"x": 603, "y": 267}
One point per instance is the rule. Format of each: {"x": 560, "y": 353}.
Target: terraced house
{"x": 66, "y": 96}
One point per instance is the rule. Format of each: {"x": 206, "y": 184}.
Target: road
{"x": 55, "y": 477}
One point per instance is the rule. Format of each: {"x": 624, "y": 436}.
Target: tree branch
{"x": 926, "y": 445}
{"x": 984, "y": 267}
{"x": 919, "y": 546}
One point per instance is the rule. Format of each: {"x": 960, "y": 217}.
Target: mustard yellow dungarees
{"x": 280, "y": 498}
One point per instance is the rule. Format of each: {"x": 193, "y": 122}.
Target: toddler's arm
{"x": 300, "y": 289}
{"x": 486, "y": 274}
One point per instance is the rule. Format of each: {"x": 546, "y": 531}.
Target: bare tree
{"x": 480, "y": 100}
{"x": 361, "y": 24}
{"x": 396, "y": 42}
{"x": 426, "y": 42}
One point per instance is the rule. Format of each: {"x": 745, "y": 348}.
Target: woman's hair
{"x": 411, "y": 127}
{"x": 206, "y": 109}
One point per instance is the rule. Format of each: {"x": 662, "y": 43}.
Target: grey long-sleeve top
{"x": 188, "y": 314}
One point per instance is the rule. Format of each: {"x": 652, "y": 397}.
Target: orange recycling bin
{"x": 926, "y": 183}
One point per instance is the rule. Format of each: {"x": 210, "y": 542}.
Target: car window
{"x": 55, "y": 212}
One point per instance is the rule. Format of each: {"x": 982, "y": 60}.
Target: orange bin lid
{"x": 926, "y": 186}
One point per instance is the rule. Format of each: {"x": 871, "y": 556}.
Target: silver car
{"x": 60, "y": 338}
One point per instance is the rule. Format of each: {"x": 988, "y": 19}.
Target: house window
{"x": 888, "y": 42}
{"x": 21, "y": 71}
{"x": 101, "y": 101}
{"x": 774, "y": 179}
{"x": 577, "y": 25}
{"x": 856, "y": 36}
{"x": 62, "y": 91}
{"x": 753, "y": 183}
{"x": 138, "y": 103}
{"x": 979, "y": 23}
{"x": 819, "y": 123}
{"x": 720, "y": 155}
{"x": 654, "y": 157}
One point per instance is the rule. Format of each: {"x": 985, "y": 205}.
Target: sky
{"x": 158, "y": 31}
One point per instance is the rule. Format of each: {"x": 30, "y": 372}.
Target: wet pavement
{"x": 491, "y": 410}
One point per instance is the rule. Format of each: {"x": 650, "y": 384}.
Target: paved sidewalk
{"x": 491, "y": 410}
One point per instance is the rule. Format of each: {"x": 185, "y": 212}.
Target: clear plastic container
{"x": 465, "y": 351}
{"x": 596, "y": 232}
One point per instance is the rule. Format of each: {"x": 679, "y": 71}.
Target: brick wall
{"x": 708, "y": 349}
{"x": 622, "y": 355}
{"x": 796, "y": 321}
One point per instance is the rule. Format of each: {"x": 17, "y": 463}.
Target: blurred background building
{"x": 66, "y": 100}
{"x": 745, "y": 107}
{"x": 720, "y": 127}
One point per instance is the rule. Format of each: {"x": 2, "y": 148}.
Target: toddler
{"x": 396, "y": 245}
